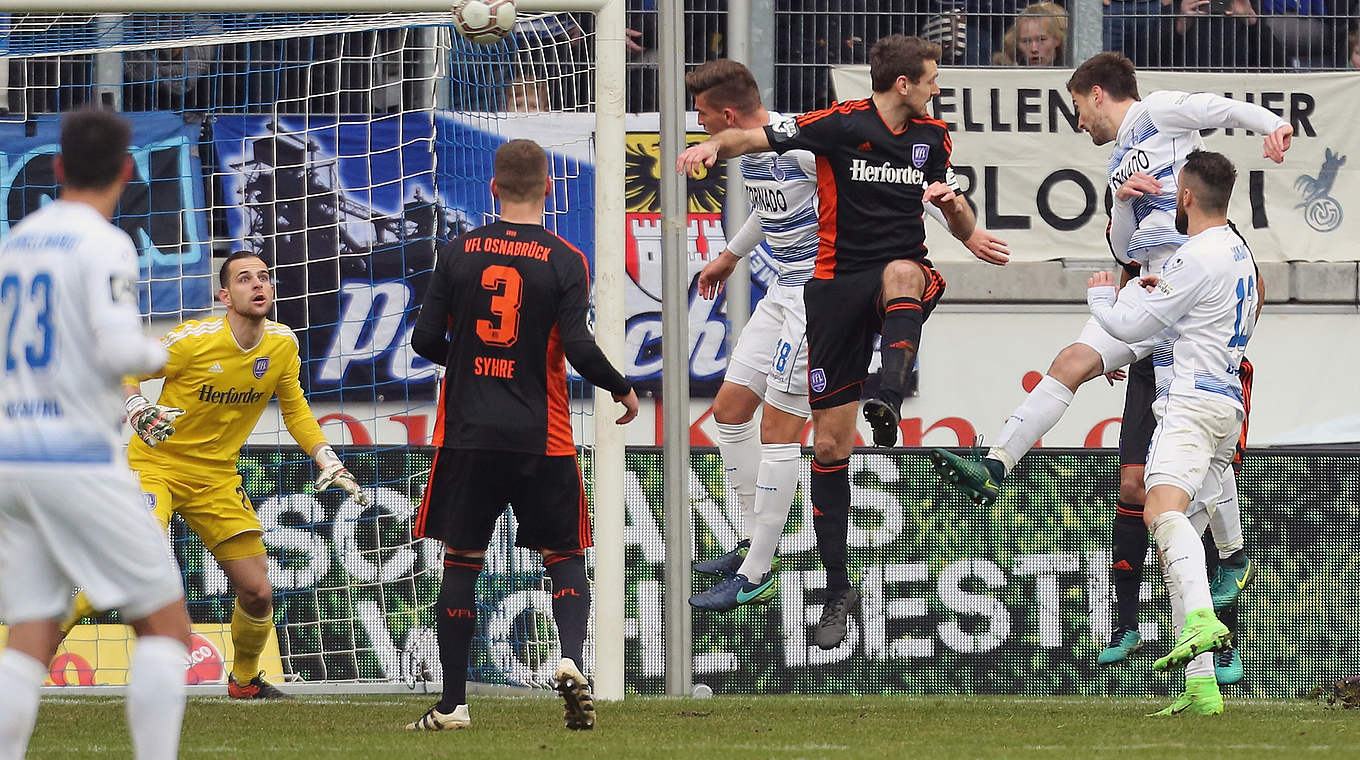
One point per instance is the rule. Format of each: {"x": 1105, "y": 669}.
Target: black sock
{"x": 1211, "y": 560}
{"x": 455, "y": 623}
{"x": 995, "y": 468}
{"x": 1237, "y": 560}
{"x": 831, "y": 518}
{"x": 570, "y": 602}
{"x": 1129, "y": 545}
{"x": 902, "y": 319}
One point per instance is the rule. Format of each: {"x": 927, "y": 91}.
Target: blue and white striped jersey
{"x": 68, "y": 301}
{"x": 782, "y": 189}
{"x": 1156, "y": 136}
{"x": 1207, "y": 298}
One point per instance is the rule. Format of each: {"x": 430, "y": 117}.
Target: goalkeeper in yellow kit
{"x": 221, "y": 374}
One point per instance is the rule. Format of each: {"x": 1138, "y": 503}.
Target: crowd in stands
{"x": 547, "y": 68}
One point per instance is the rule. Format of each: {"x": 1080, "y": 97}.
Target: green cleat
{"x": 1228, "y": 667}
{"x": 1203, "y": 633}
{"x": 1123, "y": 642}
{"x": 1201, "y": 697}
{"x": 977, "y": 479}
{"x": 1228, "y": 582}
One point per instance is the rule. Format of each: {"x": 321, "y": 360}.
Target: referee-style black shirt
{"x": 869, "y": 182}
{"x": 507, "y": 304}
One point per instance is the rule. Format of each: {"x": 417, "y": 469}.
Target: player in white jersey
{"x": 770, "y": 358}
{"x": 1204, "y": 301}
{"x": 1157, "y": 135}
{"x": 71, "y": 513}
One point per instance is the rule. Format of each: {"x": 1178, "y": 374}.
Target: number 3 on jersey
{"x": 508, "y": 286}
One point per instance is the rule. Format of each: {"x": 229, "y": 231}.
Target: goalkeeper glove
{"x": 153, "y": 423}
{"x": 333, "y": 473}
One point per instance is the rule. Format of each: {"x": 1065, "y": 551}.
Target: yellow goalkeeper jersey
{"x": 223, "y": 389}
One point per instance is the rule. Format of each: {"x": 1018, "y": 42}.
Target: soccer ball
{"x": 484, "y": 22}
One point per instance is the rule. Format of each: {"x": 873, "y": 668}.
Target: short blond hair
{"x": 1054, "y": 19}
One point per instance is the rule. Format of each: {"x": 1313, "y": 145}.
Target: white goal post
{"x": 609, "y": 144}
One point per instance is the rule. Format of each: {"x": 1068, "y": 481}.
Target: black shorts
{"x": 843, "y": 316}
{"x": 1135, "y": 431}
{"x": 470, "y": 488}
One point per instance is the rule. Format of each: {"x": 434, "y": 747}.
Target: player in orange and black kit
{"x": 507, "y": 304}
{"x": 879, "y": 160}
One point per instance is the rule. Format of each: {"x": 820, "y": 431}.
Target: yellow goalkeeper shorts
{"x": 216, "y": 510}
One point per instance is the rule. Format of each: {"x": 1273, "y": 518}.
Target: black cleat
{"x": 726, "y": 565}
{"x": 832, "y": 628}
{"x": 883, "y": 419}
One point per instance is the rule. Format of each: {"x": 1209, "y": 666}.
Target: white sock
{"x": 1226, "y": 517}
{"x": 775, "y": 487}
{"x": 1035, "y": 416}
{"x": 155, "y": 697}
{"x": 20, "y": 677}
{"x": 1200, "y": 666}
{"x": 739, "y": 445}
{"x": 1183, "y": 559}
{"x": 1177, "y": 605}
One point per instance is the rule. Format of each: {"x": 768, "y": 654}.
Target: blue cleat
{"x": 733, "y": 592}
{"x": 1228, "y": 583}
{"x": 726, "y": 565}
{"x": 1123, "y": 642}
{"x": 1228, "y": 667}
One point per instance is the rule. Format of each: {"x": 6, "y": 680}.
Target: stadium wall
{"x": 1010, "y": 599}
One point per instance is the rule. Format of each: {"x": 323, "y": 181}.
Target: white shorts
{"x": 1193, "y": 445}
{"x": 1115, "y": 353}
{"x": 771, "y": 355}
{"x": 63, "y": 528}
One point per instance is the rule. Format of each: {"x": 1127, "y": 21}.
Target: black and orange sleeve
{"x": 573, "y": 324}
{"x": 430, "y": 336}
{"x": 816, "y": 131}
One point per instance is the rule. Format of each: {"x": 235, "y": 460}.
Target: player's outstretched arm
{"x": 725, "y": 144}
{"x": 1206, "y": 110}
{"x": 1277, "y": 142}
{"x": 982, "y": 244}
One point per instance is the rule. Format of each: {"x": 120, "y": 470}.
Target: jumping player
{"x": 770, "y": 358}
{"x": 1204, "y": 302}
{"x": 879, "y": 160}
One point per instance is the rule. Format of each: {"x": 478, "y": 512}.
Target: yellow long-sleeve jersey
{"x": 223, "y": 389}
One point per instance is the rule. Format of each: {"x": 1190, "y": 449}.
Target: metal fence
{"x": 807, "y": 38}
{"x": 1207, "y": 35}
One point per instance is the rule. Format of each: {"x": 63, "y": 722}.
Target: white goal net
{"x": 343, "y": 148}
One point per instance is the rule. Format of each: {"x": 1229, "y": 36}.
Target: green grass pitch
{"x": 723, "y": 727}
